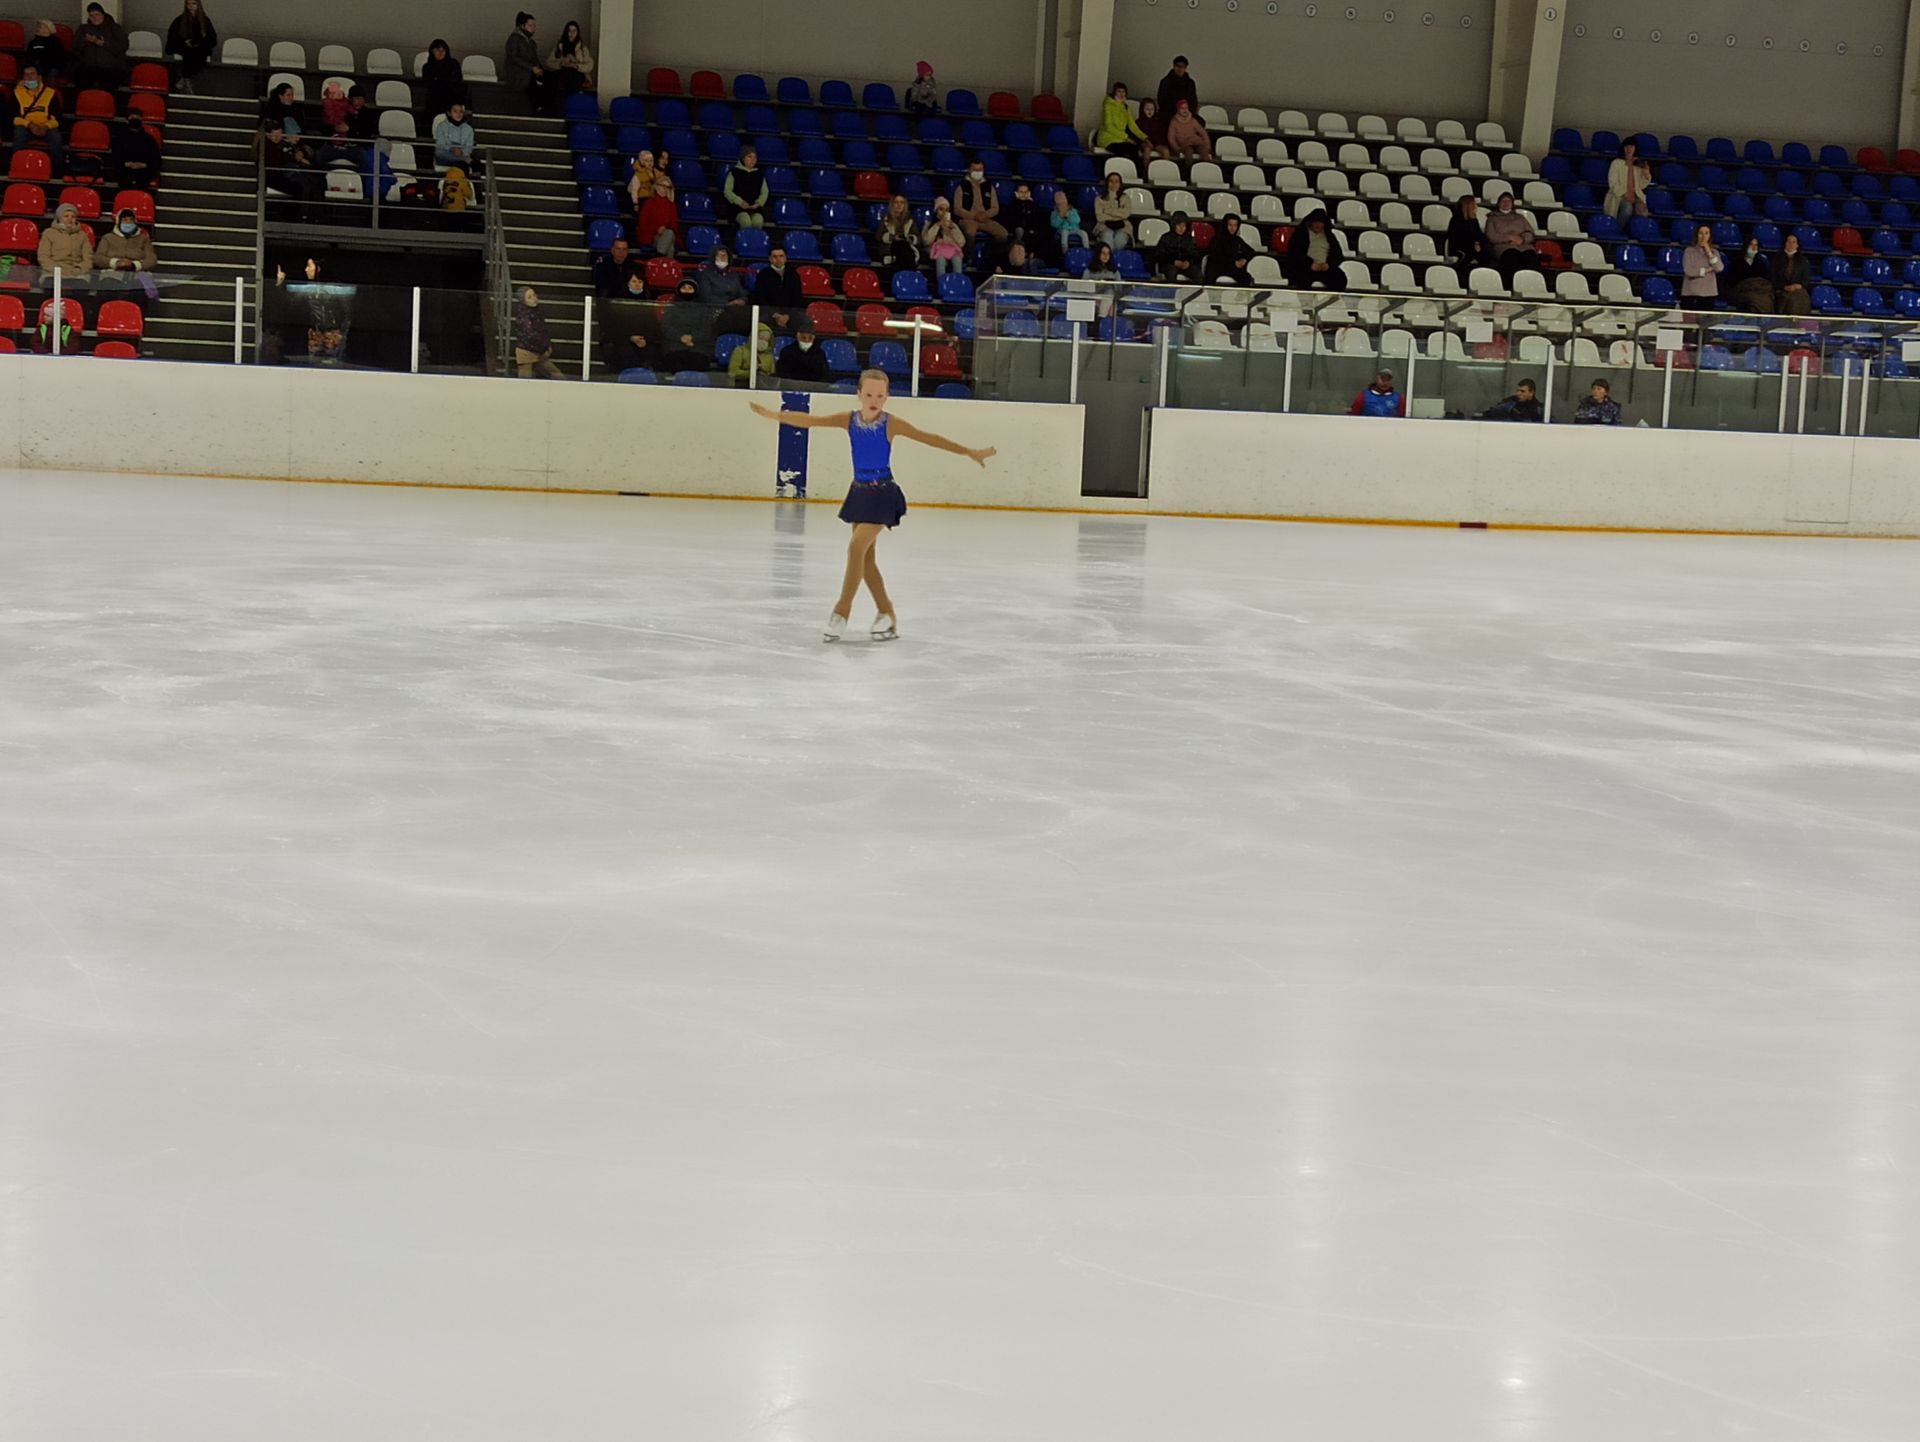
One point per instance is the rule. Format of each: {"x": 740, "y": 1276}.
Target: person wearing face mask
{"x": 126, "y": 250}
{"x": 532, "y": 345}
{"x": 1747, "y": 282}
{"x": 976, "y": 205}
{"x": 1791, "y": 278}
{"x": 630, "y": 338}
{"x": 687, "y": 326}
{"x": 64, "y": 246}
{"x": 746, "y": 357}
{"x": 804, "y": 360}
{"x": 136, "y": 155}
{"x": 37, "y": 114}
{"x": 717, "y": 284}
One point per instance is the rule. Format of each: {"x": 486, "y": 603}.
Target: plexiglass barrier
{"x": 1254, "y": 349}
{"x": 316, "y": 320}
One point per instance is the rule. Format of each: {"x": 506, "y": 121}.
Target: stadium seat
{"x": 940, "y": 361}
{"x": 792, "y": 90}
{"x": 663, "y": 80}
{"x": 13, "y": 314}
{"x": 30, "y": 165}
{"x": 664, "y": 273}
{"x": 576, "y": 107}
{"x": 1658, "y": 291}
{"x": 690, "y": 378}
{"x": 1048, "y": 110}
{"x": 801, "y": 246}
{"x": 701, "y": 239}
{"x": 752, "y": 243}
{"x": 842, "y": 359}
{"x": 91, "y": 136}
{"x": 850, "y": 249}
{"x": 598, "y": 202}
{"x": 639, "y": 376}
{"x": 69, "y": 308}
{"x": 706, "y": 85}
{"x": 836, "y": 95}
{"x": 86, "y": 200}
{"x": 873, "y": 319}
{"x": 121, "y": 319}
{"x": 828, "y": 319}
{"x": 751, "y": 88}
{"x": 891, "y": 357}
{"x": 287, "y": 55}
{"x": 1004, "y": 105}
{"x": 879, "y": 97}
{"x": 858, "y": 283}
{"x": 815, "y": 281}
{"x": 952, "y": 391}
{"x": 958, "y": 290}
{"x": 911, "y": 285}
{"x": 962, "y": 103}
{"x": 140, "y": 202}
{"x": 116, "y": 349}
{"x": 28, "y": 200}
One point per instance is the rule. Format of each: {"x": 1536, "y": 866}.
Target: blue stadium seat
{"x": 815, "y": 153}
{"x": 996, "y": 166}
{"x": 1119, "y": 328}
{"x": 1714, "y": 177}
{"x": 1648, "y": 144}
{"x": 903, "y": 157}
{"x": 586, "y": 135}
{"x": 1679, "y": 233}
{"x": 1740, "y": 207}
{"x": 891, "y": 128}
{"x": 1759, "y": 152}
{"x": 1658, "y": 291}
{"x": 850, "y": 249}
{"x": 1888, "y": 243}
{"x": 1869, "y": 302}
{"x": 723, "y": 147}
{"x": 1782, "y": 211}
{"x": 842, "y": 359}
{"x": 670, "y": 112}
{"x": 782, "y": 181}
{"x": 838, "y": 215}
{"x": 946, "y": 160}
{"x": 760, "y": 120}
{"x": 725, "y": 345}
{"x": 1787, "y": 182}
{"x": 1858, "y": 214}
{"x": 1811, "y": 240}
{"x": 1839, "y": 270}
{"x": 1075, "y": 263}
{"x": 1556, "y": 171}
{"x": 715, "y": 115}
{"x": 836, "y": 94}
{"x": 688, "y": 174}
{"x": 1605, "y": 143}
{"x": 601, "y": 234}
{"x": 751, "y": 243}
{"x": 806, "y": 122}
{"x": 690, "y": 378}
{"x": 963, "y": 104}
{"x": 1631, "y": 259}
{"x": 1021, "y": 136}
{"x": 681, "y": 141}
{"x": 1079, "y": 170}
{"x": 1868, "y": 186}
{"x": 1720, "y": 149}
{"x": 701, "y": 239}
{"x": 1672, "y": 260}
{"x": 1827, "y": 184}
{"x": 1910, "y": 272}
{"x": 952, "y": 391}
{"x": 1673, "y": 176}
{"x": 933, "y": 130}
{"x": 592, "y": 170}
{"x": 1683, "y": 147}
{"x": 963, "y": 324}
{"x": 860, "y": 155}
{"x": 639, "y": 376}
{"x": 1036, "y": 169}
{"x": 1768, "y": 234}
{"x": 827, "y": 184}
{"x": 1876, "y": 270}
{"x": 1021, "y": 324}
{"x": 1580, "y": 196}
{"x": 1606, "y": 230}
{"x": 697, "y": 208}
{"x": 1661, "y": 202}
{"x": 1064, "y": 138}
{"x": 787, "y": 211}
{"x": 1835, "y": 157}
{"x": 1727, "y": 235}
{"x": 879, "y": 97}
{"x": 749, "y": 87}
{"x": 580, "y": 107}
{"x": 1795, "y": 153}
{"x": 974, "y": 135}
{"x": 956, "y": 290}
{"x": 911, "y": 286}
{"x": 632, "y": 139}
{"x": 628, "y": 110}
{"x": 1716, "y": 358}
{"x": 1131, "y": 265}
{"x": 1827, "y": 301}
{"x": 1905, "y": 189}
{"x": 792, "y": 90}
{"x": 1893, "y": 367}
{"x": 846, "y": 125}
{"x": 1645, "y": 230}
{"x": 891, "y": 357}
{"x": 1568, "y": 141}
{"x": 803, "y": 247}
{"x": 917, "y": 189}
{"x": 598, "y": 202}
{"x": 772, "y": 148}
{"x": 1594, "y": 172}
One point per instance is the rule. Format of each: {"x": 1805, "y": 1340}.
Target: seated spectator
{"x": 64, "y": 246}
{"x": 1178, "y": 254}
{"x": 363, "y": 121}
{"x": 136, "y": 155}
{"x": 1187, "y": 138}
{"x": 1113, "y": 213}
{"x": 640, "y": 179}
{"x": 442, "y": 76}
{"x": 1747, "y": 282}
{"x": 1510, "y": 240}
{"x": 333, "y": 105}
{"x": 99, "y": 51}
{"x": 1382, "y": 398}
{"x": 1314, "y": 255}
{"x": 190, "y": 44}
{"x": 126, "y": 250}
{"x": 37, "y": 115}
{"x": 1177, "y": 85}
{"x": 1466, "y": 244}
{"x": 281, "y": 109}
{"x": 1628, "y": 180}
{"x": 456, "y": 191}
{"x": 612, "y": 271}
{"x": 629, "y": 335}
{"x": 1153, "y": 123}
{"x": 571, "y": 62}
{"x": 1229, "y": 255}
{"x": 897, "y": 243}
{"x": 687, "y": 331}
{"x": 923, "y": 96}
{"x": 1015, "y": 262}
{"x": 716, "y": 284}
{"x": 746, "y": 357}
{"x": 522, "y": 72}
{"x": 1100, "y": 266}
{"x": 776, "y": 290}
{"x": 1700, "y": 267}
{"x": 532, "y": 345}
{"x": 338, "y": 149}
{"x": 803, "y": 360}
{"x": 745, "y": 189}
{"x": 945, "y": 243}
{"x": 290, "y": 166}
{"x": 44, "y": 331}
{"x": 1522, "y": 405}
{"x": 1065, "y": 220}
{"x": 976, "y": 204}
{"x": 1598, "y": 407}
{"x": 1791, "y": 278}
{"x": 47, "y": 52}
{"x": 1023, "y": 220}
{"x": 1119, "y": 133}
{"x": 658, "y": 226}
{"x": 453, "y": 138}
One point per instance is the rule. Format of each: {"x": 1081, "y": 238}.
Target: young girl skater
{"x": 874, "y": 502}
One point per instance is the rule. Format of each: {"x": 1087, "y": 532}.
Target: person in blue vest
{"x": 1382, "y": 398}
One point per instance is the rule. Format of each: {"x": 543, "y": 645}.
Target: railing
{"x": 497, "y": 326}
{"x": 374, "y": 200}
{"x": 1261, "y": 349}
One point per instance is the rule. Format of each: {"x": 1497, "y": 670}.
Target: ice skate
{"x": 836, "y": 628}
{"x": 884, "y": 629}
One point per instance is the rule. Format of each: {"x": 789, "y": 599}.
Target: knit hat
{"x": 923, "y": 71}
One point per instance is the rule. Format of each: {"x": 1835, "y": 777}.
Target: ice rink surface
{"x": 477, "y": 967}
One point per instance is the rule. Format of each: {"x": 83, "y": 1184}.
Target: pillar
{"x": 613, "y": 49}
{"x": 1907, "y": 133}
{"x": 1525, "y": 77}
{"x": 1092, "y": 38}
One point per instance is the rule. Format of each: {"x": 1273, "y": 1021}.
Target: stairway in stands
{"x": 540, "y": 211}
{"x": 207, "y": 231}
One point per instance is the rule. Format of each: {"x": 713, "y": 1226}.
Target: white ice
{"x": 477, "y": 967}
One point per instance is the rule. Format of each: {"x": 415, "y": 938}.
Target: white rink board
{"x": 181, "y": 419}
{"x": 1226, "y": 463}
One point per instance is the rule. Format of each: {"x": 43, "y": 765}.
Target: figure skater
{"x": 874, "y": 502}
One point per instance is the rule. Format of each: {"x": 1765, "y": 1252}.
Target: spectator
{"x": 126, "y": 250}
{"x": 1747, "y": 282}
{"x": 1015, "y": 262}
{"x": 190, "y": 44}
{"x": 1119, "y": 133}
{"x": 945, "y": 243}
{"x": 100, "y": 51}
{"x": 1065, "y": 221}
{"x": 1628, "y": 179}
{"x": 281, "y": 109}
{"x": 43, "y": 332}
{"x": 521, "y": 70}
{"x": 658, "y": 225}
{"x": 1113, "y": 213}
{"x": 1153, "y": 123}
{"x": 453, "y": 138}
{"x": 1178, "y": 254}
{"x": 1187, "y": 138}
{"x": 1700, "y": 268}
{"x": 745, "y": 189}
{"x": 363, "y": 121}
{"x": 329, "y": 313}
{"x": 640, "y": 178}
{"x": 340, "y": 148}
{"x": 1100, "y": 266}
{"x": 1023, "y": 220}
{"x": 897, "y": 244}
{"x": 136, "y": 155}
{"x": 532, "y": 346}
{"x": 746, "y": 357}
{"x": 1382, "y": 398}
{"x": 803, "y": 360}
{"x": 1510, "y": 240}
{"x": 629, "y": 330}
{"x": 1791, "y": 278}
{"x": 1314, "y": 255}
{"x": 47, "y": 52}
{"x": 718, "y": 286}
{"x": 64, "y": 245}
{"x": 776, "y": 290}
{"x": 1177, "y": 85}
{"x": 456, "y": 191}
{"x": 290, "y": 166}
{"x": 571, "y": 63}
{"x": 441, "y": 75}
{"x": 688, "y": 329}
{"x": 1522, "y": 405}
{"x": 612, "y": 271}
{"x": 1229, "y": 255}
{"x": 37, "y": 114}
{"x": 333, "y": 106}
{"x": 1598, "y": 407}
{"x": 923, "y": 96}
{"x": 1466, "y": 241}
{"x": 976, "y": 204}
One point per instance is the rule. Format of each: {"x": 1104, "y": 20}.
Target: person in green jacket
{"x": 741, "y": 359}
{"x": 1119, "y": 133}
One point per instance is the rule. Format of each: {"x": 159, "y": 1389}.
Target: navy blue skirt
{"x": 874, "y": 503}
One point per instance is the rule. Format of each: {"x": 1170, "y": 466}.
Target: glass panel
{"x": 316, "y": 320}
{"x": 117, "y": 312}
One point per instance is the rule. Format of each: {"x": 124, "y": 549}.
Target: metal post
{"x": 415, "y": 352}
{"x": 1547, "y": 418}
{"x": 1073, "y": 365}
{"x": 1666, "y": 394}
{"x": 239, "y": 311}
{"x": 1800, "y": 427}
{"x": 1846, "y": 383}
{"x": 59, "y": 309}
{"x": 1165, "y": 332}
{"x": 1286, "y": 381}
{"x": 919, "y": 328}
{"x": 1786, "y": 382}
{"x": 753, "y": 351}
{"x": 586, "y": 336}
{"x": 1413, "y": 364}
{"x": 1866, "y": 385}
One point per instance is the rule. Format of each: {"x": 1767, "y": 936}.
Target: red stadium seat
{"x": 814, "y": 281}
{"x": 19, "y": 237}
{"x": 13, "y": 315}
{"x": 97, "y": 104}
{"x": 1872, "y": 157}
{"x": 116, "y": 350}
{"x": 30, "y": 165}
{"x": 1048, "y": 109}
{"x": 942, "y": 361}
{"x": 23, "y": 199}
{"x": 872, "y": 320}
{"x": 90, "y": 135}
{"x": 1203, "y": 233}
{"x": 1003, "y": 105}
{"x": 707, "y": 85}
{"x": 663, "y": 80}
{"x": 13, "y": 35}
{"x": 872, "y": 185}
{"x": 120, "y": 318}
{"x": 9, "y": 68}
{"x": 71, "y": 307}
{"x": 150, "y": 76}
{"x": 7, "y": 347}
{"x": 925, "y": 313}
{"x": 1552, "y": 257}
{"x": 1907, "y": 161}
{"x": 138, "y": 201}
{"x": 663, "y": 273}
{"x": 149, "y": 107}
{"x": 65, "y": 32}
{"x": 83, "y": 198}
{"x": 860, "y": 283}
{"x": 827, "y": 318}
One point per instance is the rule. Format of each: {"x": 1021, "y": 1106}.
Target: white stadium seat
{"x": 287, "y": 55}
{"x": 240, "y": 52}
{"x": 336, "y": 57}
{"x": 384, "y": 62}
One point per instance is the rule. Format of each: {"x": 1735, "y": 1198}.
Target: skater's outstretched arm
{"x": 908, "y": 432}
{"x": 803, "y": 419}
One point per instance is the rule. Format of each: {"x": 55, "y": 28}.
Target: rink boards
{"x": 374, "y": 428}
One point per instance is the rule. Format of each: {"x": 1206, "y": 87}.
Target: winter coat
{"x": 1117, "y": 125}
{"x": 70, "y": 251}
{"x": 137, "y": 248}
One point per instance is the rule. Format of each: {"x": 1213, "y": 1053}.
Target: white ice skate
{"x": 884, "y": 629}
{"x": 836, "y": 628}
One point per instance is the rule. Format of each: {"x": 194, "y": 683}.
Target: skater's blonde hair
{"x": 871, "y": 374}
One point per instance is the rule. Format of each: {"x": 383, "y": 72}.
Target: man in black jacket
{"x": 1522, "y": 405}
{"x": 612, "y": 270}
{"x": 1176, "y": 85}
{"x": 776, "y": 290}
{"x": 804, "y": 360}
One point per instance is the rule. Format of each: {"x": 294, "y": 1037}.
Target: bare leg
{"x": 876, "y": 586}
{"x": 859, "y": 551}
